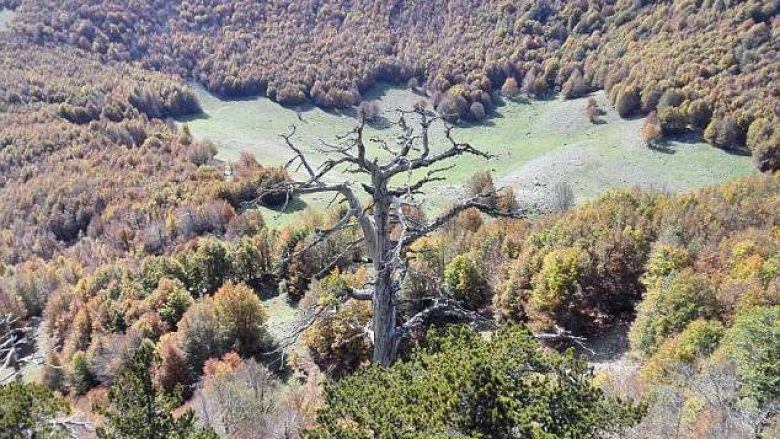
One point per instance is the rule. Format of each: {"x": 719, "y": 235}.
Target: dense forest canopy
{"x": 711, "y": 63}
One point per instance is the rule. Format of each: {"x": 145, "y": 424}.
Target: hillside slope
{"x": 714, "y": 61}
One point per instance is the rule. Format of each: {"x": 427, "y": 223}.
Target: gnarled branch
{"x": 469, "y": 203}
{"x": 456, "y": 149}
{"x": 378, "y": 225}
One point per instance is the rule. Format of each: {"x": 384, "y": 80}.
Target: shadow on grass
{"x": 741, "y": 151}
{"x": 487, "y": 122}
{"x": 300, "y": 108}
{"x": 502, "y": 101}
{"x": 379, "y": 90}
{"x": 634, "y": 116}
{"x": 346, "y": 112}
{"x": 193, "y": 117}
{"x": 688, "y": 137}
{"x": 419, "y": 92}
{"x": 292, "y": 206}
{"x": 546, "y": 96}
{"x": 266, "y": 288}
{"x": 379, "y": 123}
{"x": 662, "y": 147}
{"x": 694, "y": 137}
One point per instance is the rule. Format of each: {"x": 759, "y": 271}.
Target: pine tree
{"x": 461, "y": 385}
{"x": 140, "y": 410}
{"x": 28, "y": 410}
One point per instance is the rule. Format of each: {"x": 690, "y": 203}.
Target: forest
{"x": 139, "y": 280}
{"x": 703, "y": 65}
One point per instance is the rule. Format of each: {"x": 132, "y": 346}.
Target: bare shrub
{"x": 651, "y": 130}
{"x": 452, "y": 107}
{"x": 594, "y": 112}
{"x": 510, "y": 88}
{"x": 235, "y": 401}
{"x": 703, "y": 402}
{"x": 575, "y": 86}
{"x": 296, "y": 409}
{"x": 477, "y": 111}
{"x": 562, "y": 196}
{"x": 200, "y": 153}
{"x": 370, "y": 111}
{"x": 507, "y": 200}
{"x": 481, "y": 184}
{"x": 663, "y": 418}
{"x": 243, "y": 399}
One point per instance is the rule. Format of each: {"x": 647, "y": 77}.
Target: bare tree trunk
{"x": 384, "y": 314}
{"x": 384, "y": 322}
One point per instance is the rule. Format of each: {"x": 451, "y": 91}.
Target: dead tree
{"x": 390, "y": 183}
{"x": 17, "y": 347}
{"x": 15, "y": 340}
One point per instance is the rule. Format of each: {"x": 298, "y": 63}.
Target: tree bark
{"x": 384, "y": 313}
{"x": 384, "y": 322}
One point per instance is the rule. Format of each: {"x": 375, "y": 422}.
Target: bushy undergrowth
{"x": 461, "y": 385}
{"x": 697, "y": 271}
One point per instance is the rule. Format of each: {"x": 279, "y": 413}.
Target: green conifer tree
{"x": 140, "y": 410}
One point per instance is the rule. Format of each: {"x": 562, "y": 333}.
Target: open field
{"x": 5, "y": 18}
{"x": 538, "y": 144}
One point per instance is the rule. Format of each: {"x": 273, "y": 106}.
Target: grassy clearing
{"x": 537, "y": 145}
{"x": 255, "y": 125}
{"x": 593, "y": 158}
{"x": 5, "y": 18}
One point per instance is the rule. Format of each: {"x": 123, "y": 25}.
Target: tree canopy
{"x": 141, "y": 410}
{"x": 30, "y": 411}
{"x": 460, "y": 384}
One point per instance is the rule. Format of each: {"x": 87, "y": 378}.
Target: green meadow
{"x": 538, "y": 144}
{"x": 5, "y": 18}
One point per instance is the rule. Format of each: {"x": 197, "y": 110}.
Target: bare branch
{"x": 473, "y": 202}
{"x": 426, "y": 120}
{"x": 379, "y": 221}
{"x": 329, "y": 165}
{"x": 335, "y": 261}
{"x": 15, "y": 339}
{"x": 361, "y": 294}
{"x": 413, "y": 189}
{"x": 456, "y": 149}
{"x": 562, "y": 334}
{"x": 444, "y": 307}
{"x": 72, "y": 424}
{"x": 359, "y": 142}
{"x": 298, "y": 154}
{"x": 309, "y": 319}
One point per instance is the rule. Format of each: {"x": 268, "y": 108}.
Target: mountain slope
{"x": 719, "y": 57}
